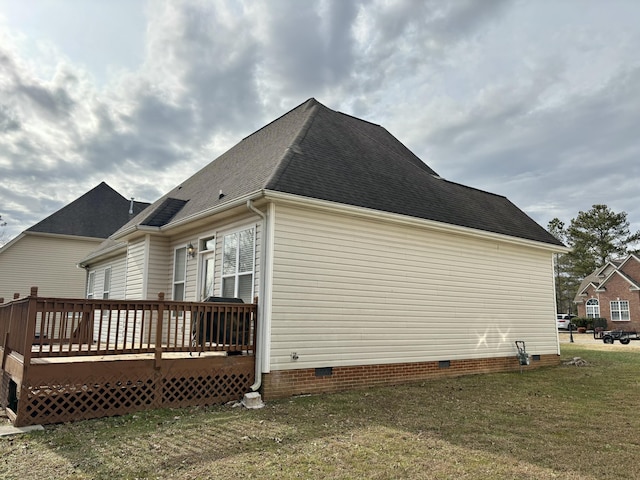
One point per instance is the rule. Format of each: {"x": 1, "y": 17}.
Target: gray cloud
{"x": 536, "y": 102}
{"x": 8, "y": 120}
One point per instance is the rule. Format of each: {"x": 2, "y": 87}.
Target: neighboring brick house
{"x": 613, "y": 292}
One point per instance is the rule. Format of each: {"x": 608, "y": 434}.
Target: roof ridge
{"x": 475, "y": 189}
{"x": 419, "y": 162}
{"x": 77, "y": 201}
{"x": 312, "y": 101}
{"x": 281, "y": 167}
{"x": 96, "y": 213}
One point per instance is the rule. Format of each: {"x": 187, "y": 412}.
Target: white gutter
{"x": 107, "y": 252}
{"x": 213, "y": 210}
{"x": 190, "y": 218}
{"x": 135, "y": 228}
{"x": 408, "y": 220}
{"x": 262, "y": 310}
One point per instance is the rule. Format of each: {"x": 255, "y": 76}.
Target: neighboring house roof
{"x": 315, "y": 152}
{"x": 98, "y": 213}
{"x": 631, "y": 256}
{"x": 595, "y": 279}
{"x": 633, "y": 284}
{"x": 611, "y": 265}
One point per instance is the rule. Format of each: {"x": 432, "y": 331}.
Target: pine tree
{"x": 597, "y": 236}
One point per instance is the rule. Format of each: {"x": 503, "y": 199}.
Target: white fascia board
{"x": 590, "y": 284}
{"x": 407, "y": 220}
{"x": 7, "y": 245}
{"x": 633, "y": 285}
{"x": 103, "y": 254}
{"x": 236, "y": 202}
{"x": 627, "y": 259}
{"x": 63, "y": 236}
{"x": 133, "y": 229}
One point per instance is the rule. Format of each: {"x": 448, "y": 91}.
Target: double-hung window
{"x": 620, "y": 310}
{"x": 91, "y": 281}
{"x": 238, "y": 258}
{"x": 179, "y": 273}
{"x": 106, "y": 288}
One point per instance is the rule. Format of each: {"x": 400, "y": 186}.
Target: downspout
{"x": 261, "y": 298}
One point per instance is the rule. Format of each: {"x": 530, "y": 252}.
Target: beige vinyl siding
{"x": 118, "y": 274}
{"x": 350, "y": 291}
{"x": 118, "y": 331}
{"x": 136, "y": 271}
{"x": 116, "y": 289}
{"x": 191, "y": 269}
{"x": 46, "y": 262}
{"x": 159, "y": 267}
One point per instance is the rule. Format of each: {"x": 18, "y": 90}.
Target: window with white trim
{"x": 207, "y": 244}
{"x": 207, "y": 266}
{"x": 179, "y": 273}
{"x": 593, "y": 308}
{"x": 238, "y": 258}
{"x": 106, "y": 288}
{"x": 91, "y": 281}
{"x": 620, "y": 311}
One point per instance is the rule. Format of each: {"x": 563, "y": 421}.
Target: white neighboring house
{"x": 46, "y": 255}
{"x": 369, "y": 267}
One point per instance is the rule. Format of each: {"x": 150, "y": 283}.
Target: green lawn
{"x": 566, "y": 422}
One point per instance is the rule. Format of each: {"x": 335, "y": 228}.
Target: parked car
{"x": 563, "y": 320}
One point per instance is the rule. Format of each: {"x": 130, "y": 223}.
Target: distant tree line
{"x": 595, "y": 237}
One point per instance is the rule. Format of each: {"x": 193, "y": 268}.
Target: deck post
{"x": 5, "y": 350}
{"x": 160, "y": 321}
{"x": 30, "y": 334}
{"x": 30, "y": 331}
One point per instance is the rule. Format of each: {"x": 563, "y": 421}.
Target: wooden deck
{"x": 71, "y": 359}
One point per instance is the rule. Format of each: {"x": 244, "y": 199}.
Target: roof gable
{"x": 607, "y": 268}
{"x": 617, "y": 273}
{"x": 98, "y": 213}
{"x": 626, "y": 268}
{"x": 631, "y": 258}
{"x": 315, "y": 152}
{"x": 589, "y": 281}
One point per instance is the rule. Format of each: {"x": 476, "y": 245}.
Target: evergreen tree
{"x": 566, "y": 283}
{"x": 597, "y": 236}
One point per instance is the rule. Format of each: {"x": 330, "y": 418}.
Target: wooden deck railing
{"x": 13, "y": 324}
{"x": 38, "y": 327}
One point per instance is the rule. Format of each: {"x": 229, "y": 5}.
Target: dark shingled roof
{"x": 98, "y": 213}
{"x": 316, "y": 152}
{"x": 165, "y": 212}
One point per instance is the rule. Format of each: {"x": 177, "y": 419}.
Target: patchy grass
{"x": 553, "y": 423}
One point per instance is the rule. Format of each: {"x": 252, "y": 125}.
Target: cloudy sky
{"x": 535, "y": 100}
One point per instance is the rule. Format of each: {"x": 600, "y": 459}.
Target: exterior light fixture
{"x": 191, "y": 250}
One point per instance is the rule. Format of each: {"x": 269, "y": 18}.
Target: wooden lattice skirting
{"x": 55, "y": 393}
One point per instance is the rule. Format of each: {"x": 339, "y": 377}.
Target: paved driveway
{"x": 587, "y": 340}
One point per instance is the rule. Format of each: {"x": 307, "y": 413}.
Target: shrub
{"x": 599, "y": 322}
{"x": 581, "y": 322}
